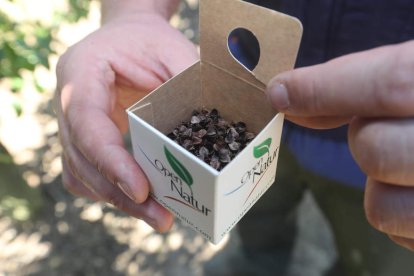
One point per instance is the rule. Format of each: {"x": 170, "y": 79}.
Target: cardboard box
{"x": 213, "y": 202}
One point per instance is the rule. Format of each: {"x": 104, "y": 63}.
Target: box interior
{"x": 205, "y": 86}
{"x": 173, "y": 102}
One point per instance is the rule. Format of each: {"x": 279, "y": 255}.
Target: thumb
{"x": 374, "y": 83}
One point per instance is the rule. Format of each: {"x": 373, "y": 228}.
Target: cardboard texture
{"x": 213, "y": 202}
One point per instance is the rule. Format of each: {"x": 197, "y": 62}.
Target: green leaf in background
{"x": 5, "y": 158}
{"x": 38, "y": 86}
{"x": 262, "y": 149}
{"x": 18, "y": 108}
{"x": 78, "y": 9}
{"x": 28, "y": 44}
{"x": 16, "y": 84}
{"x": 17, "y": 208}
{"x": 179, "y": 169}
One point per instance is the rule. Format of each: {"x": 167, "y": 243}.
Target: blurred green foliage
{"x": 77, "y": 9}
{"x": 28, "y": 44}
{"x": 25, "y": 46}
{"x": 17, "y": 200}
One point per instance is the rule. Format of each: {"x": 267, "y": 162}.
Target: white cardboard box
{"x": 213, "y": 202}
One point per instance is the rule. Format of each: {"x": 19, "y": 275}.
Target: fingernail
{"x": 278, "y": 95}
{"x": 126, "y": 190}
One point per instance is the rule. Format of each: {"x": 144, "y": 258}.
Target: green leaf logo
{"x": 178, "y": 168}
{"x": 262, "y": 149}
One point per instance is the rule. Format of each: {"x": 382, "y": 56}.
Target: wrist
{"x": 112, "y": 9}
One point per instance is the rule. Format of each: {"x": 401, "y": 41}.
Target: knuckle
{"x": 368, "y": 140}
{"x": 382, "y": 148}
{"x": 61, "y": 63}
{"x": 104, "y": 165}
{"x": 400, "y": 87}
{"x": 74, "y": 115}
{"x": 307, "y": 92}
{"x": 70, "y": 184}
{"x": 313, "y": 100}
{"x": 369, "y": 161}
{"x": 100, "y": 168}
{"x": 362, "y": 145}
{"x": 117, "y": 200}
{"x": 71, "y": 165}
{"x": 372, "y": 213}
{"x": 100, "y": 165}
{"x": 373, "y": 217}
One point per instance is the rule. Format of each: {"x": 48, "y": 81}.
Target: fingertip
{"x": 277, "y": 94}
{"x": 407, "y": 243}
{"x": 124, "y": 172}
{"x": 142, "y": 196}
{"x": 157, "y": 216}
{"x": 139, "y": 195}
{"x": 139, "y": 188}
{"x": 161, "y": 224}
{"x": 167, "y": 223}
{"x": 373, "y": 216}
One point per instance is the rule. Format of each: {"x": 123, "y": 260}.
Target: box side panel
{"x": 236, "y": 99}
{"x": 178, "y": 182}
{"x": 172, "y": 102}
{"x": 247, "y": 178}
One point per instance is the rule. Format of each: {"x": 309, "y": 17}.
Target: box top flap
{"x": 278, "y": 36}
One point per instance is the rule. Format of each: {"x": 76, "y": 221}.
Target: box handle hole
{"x": 244, "y": 47}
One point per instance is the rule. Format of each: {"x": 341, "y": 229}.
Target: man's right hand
{"x": 373, "y": 91}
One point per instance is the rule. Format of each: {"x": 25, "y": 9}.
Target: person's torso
{"x": 334, "y": 28}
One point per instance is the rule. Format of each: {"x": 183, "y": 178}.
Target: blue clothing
{"x": 319, "y": 152}
{"x": 334, "y": 28}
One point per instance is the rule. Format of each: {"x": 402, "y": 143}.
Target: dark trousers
{"x": 270, "y": 226}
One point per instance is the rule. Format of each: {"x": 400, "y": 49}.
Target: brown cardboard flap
{"x": 278, "y": 35}
{"x": 236, "y": 100}
{"x": 146, "y": 113}
{"x": 173, "y": 102}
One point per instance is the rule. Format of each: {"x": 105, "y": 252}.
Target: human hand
{"x": 373, "y": 91}
{"x": 98, "y": 78}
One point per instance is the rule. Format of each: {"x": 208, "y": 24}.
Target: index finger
{"x": 85, "y": 122}
{"x": 373, "y": 83}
